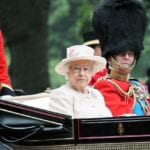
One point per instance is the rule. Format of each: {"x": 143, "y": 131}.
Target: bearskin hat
{"x": 120, "y": 25}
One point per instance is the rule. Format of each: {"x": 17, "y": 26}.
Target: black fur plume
{"x": 120, "y": 26}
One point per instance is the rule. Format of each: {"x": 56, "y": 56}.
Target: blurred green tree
{"x": 37, "y": 33}
{"x": 70, "y": 19}
{"x": 24, "y": 24}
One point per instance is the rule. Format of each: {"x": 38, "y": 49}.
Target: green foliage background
{"x": 68, "y": 19}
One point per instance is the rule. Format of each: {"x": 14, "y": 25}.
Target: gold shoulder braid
{"x": 130, "y": 92}
{"x": 134, "y": 92}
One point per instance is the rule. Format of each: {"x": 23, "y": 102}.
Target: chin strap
{"x": 119, "y": 72}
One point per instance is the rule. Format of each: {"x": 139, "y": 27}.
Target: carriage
{"x": 25, "y": 127}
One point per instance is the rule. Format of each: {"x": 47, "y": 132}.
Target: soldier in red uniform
{"x": 90, "y": 39}
{"x": 5, "y": 84}
{"x": 120, "y": 26}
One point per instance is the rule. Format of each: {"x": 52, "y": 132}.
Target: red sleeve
{"x": 114, "y": 101}
{"x": 4, "y": 78}
{"x": 98, "y": 75}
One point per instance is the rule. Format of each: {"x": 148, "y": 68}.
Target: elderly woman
{"x": 76, "y": 98}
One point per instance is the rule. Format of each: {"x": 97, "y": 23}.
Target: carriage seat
{"x": 39, "y": 100}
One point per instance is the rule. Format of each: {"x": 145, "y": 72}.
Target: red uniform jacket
{"x": 4, "y": 78}
{"x": 117, "y": 103}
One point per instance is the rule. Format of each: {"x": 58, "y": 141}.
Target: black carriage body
{"x": 24, "y": 127}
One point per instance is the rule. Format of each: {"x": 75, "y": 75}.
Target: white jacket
{"x": 68, "y": 101}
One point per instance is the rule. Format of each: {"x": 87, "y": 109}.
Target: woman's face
{"x": 79, "y": 74}
{"x": 125, "y": 59}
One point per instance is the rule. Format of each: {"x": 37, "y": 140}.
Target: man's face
{"x": 125, "y": 59}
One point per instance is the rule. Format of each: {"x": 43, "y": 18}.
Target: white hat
{"x": 80, "y": 52}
